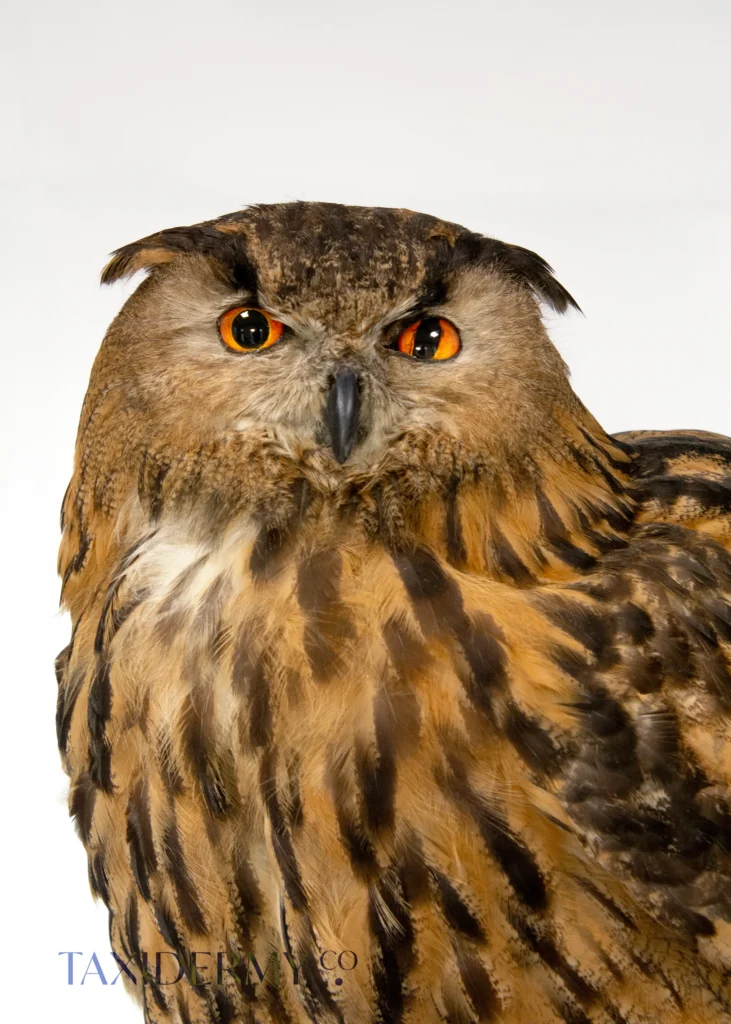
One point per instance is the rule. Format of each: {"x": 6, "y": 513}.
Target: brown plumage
{"x": 457, "y": 701}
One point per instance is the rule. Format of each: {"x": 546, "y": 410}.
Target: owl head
{"x": 342, "y": 344}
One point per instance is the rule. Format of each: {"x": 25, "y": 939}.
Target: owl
{"x": 398, "y": 692}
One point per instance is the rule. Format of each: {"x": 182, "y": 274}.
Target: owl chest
{"x": 295, "y": 650}
{"x": 313, "y": 664}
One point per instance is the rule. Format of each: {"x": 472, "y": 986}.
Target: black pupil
{"x": 250, "y": 329}
{"x": 427, "y": 338}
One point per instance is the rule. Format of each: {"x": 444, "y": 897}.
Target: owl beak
{"x": 342, "y": 412}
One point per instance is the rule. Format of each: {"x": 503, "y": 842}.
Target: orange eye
{"x": 430, "y": 339}
{"x": 245, "y": 329}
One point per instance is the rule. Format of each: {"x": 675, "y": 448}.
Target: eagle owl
{"x": 398, "y": 691}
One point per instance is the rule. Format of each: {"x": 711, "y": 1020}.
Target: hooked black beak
{"x": 342, "y": 412}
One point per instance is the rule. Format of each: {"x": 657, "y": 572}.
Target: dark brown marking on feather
{"x": 514, "y": 858}
{"x": 604, "y": 542}
{"x": 247, "y": 897}
{"x": 101, "y": 639}
{"x": 607, "y": 903}
{"x": 260, "y": 711}
{"x": 616, "y": 516}
{"x": 167, "y": 928}
{"x": 458, "y": 914}
{"x": 353, "y": 836}
{"x": 273, "y": 543}
{"x": 714, "y": 497}
{"x": 250, "y": 679}
{"x": 158, "y": 997}
{"x": 557, "y": 536}
{"x": 212, "y": 766}
{"x": 132, "y": 930}
{"x": 407, "y": 652}
{"x": 392, "y": 947}
{"x": 543, "y": 945}
{"x": 188, "y": 905}
{"x": 506, "y": 560}
{"x": 634, "y": 623}
{"x": 607, "y": 588}
{"x": 436, "y": 598}
{"x": 281, "y": 837}
{"x": 456, "y": 553}
{"x": 606, "y": 766}
{"x": 376, "y": 768}
{"x": 532, "y": 742}
{"x": 438, "y": 606}
{"x": 672, "y": 445}
{"x": 99, "y": 709}
{"x": 318, "y": 997}
{"x": 573, "y": 663}
{"x": 478, "y": 985}
{"x": 65, "y": 704}
{"x": 268, "y": 551}
{"x": 481, "y": 642}
{"x": 327, "y": 623}
{"x": 225, "y": 1009}
{"x": 623, "y": 465}
{"x": 582, "y": 459}
{"x": 690, "y": 921}
{"x": 413, "y": 872}
{"x": 139, "y": 838}
{"x": 132, "y": 926}
{"x": 169, "y": 769}
{"x": 615, "y": 486}
{"x": 98, "y": 879}
{"x": 644, "y": 669}
{"x": 81, "y": 805}
{"x": 585, "y": 623}
{"x": 77, "y": 561}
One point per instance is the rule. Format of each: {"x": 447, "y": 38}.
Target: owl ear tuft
{"x": 532, "y": 270}
{"x": 208, "y": 239}
{"x": 133, "y": 257}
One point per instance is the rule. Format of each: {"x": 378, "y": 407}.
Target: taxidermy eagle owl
{"x": 398, "y": 691}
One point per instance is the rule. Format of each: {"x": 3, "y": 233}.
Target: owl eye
{"x": 245, "y": 329}
{"x": 429, "y": 339}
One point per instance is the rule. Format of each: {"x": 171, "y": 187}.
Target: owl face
{"x": 336, "y": 331}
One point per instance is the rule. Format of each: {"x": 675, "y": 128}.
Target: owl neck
{"x": 546, "y": 514}
{"x": 547, "y": 517}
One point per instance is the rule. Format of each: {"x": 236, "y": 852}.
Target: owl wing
{"x": 648, "y": 783}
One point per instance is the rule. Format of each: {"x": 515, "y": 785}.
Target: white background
{"x": 596, "y": 134}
